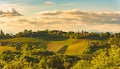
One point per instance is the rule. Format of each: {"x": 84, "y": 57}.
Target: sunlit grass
{"x": 21, "y": 39}
{"x": 55, "y": 46}
{"x": 77, "y": 47}
{"x": 4, "y": 48}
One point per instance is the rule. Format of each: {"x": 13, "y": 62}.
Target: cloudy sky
{"x": 67, "y": 15}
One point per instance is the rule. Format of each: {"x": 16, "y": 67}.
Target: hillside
{"x": 73, "y": 47}
{"x": 62, "y": 54}
{"x": 68, "y": 47}
{"x": 77, "y": 47}
{"x": 4, "y": 48}
{"x": 22, "y": 39}
{"x": 13, "y": 43}
{"x": 55, "y": 46}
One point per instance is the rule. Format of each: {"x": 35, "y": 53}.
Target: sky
{"x": 28, "y": 7}
{"x": 66, "y": 15}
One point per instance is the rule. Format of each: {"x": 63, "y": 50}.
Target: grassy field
{"x": 73, "y": 47}
{"x": 4, "y": 48}
{"x": 55, "y": 46}
{"x": 77, "y": 47}
{"x": 69, "y": 47}
{"x": 21, "y": 39}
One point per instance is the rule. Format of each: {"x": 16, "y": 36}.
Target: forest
{"x": 55, "y": 49}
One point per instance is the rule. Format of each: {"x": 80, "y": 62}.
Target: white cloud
{"x": 67, "y": 20}
{"x": 49, "y": 3}
{"x": 55, "y": 12}
{"x": 23, "y": 9}
{"x": 85, "y": 16}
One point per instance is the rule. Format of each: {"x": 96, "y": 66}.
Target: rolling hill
{"x": 4, "y": 48}
{"x": 8, "y": 43}
{"x": 22, "y": 39}
{"x": 74, "y": 47}
{"x": 68, "y": 47}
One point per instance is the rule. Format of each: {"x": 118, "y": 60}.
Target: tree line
{"x": 60, "y": 35}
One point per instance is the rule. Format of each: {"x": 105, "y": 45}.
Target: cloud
{"x": 25, "y": 9}
{"x": 85, "y": 16}
{"x": 55, "y": 12}
{"x": 66, "y": 20}
{"x": 49, "y": 3}
{"x": 9, "y": 13}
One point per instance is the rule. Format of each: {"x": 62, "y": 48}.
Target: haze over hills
{"x": 9, "y": 12}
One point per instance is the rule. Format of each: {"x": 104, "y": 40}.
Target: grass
{"x": 4, "y": 48}
{"x": 74, "y": 46}
{"x": 77, "y": 47}
{"x": 55, "y": 46}
{"x": 21, "y": 39}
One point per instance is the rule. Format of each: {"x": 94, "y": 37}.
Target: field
{"x": 21, "y": 39}
{"x": 68, "y": 47}
{"x": 73, "y": 47}
{"x": 77, "y": 47}
{"x": 4, "y": 48}
{"x": 61, "y": 53}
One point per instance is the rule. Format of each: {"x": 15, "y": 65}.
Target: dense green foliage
{"x": 35, "y": 57}
{"x": 81, "y": 50}
{"x": 106, "y": 59}
{"x": 60, "y": 35}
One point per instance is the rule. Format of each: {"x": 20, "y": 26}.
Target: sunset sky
{"x": 29, "y": 7}
{"x": 66, "y": 15}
